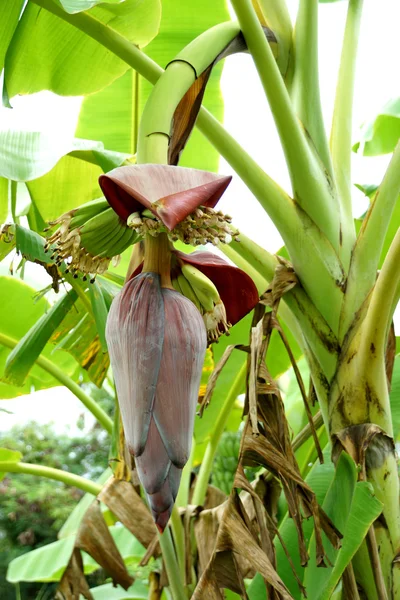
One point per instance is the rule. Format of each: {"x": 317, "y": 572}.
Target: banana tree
{"x": 329, "y": 296}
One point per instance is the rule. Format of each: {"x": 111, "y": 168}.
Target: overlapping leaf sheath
{"x": 157, "y": 341}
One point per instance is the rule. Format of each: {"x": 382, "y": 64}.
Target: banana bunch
{"x": 226, "y": 461}
{"x": 196, "y": 286}
{"x": 203, "y": 225}
{"x": 90, "y": 236}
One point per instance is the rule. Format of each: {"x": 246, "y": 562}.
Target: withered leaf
{"x": 95, "y": 538}
{"x": 234, "y": 538}
{"x": 122, "y": 499}
{"x": 73, "y": 583}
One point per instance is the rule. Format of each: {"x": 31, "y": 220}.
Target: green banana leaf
{"x": 380, "y": 136}
{"x": 137, "y": 591}
{"x": 100, "y": 311}
{"x": 28, "y": 155}
{"x": 319, "y": 479}
{"x": 48, "y": 563}
{"x": 112, "y": 115}
{"x": 19, "y": 313}
{"x": 71, "y": 525}
{"x": 46, "y": 53}
{"x": 9, "y": 15}
{"x": 22, "y": 358}
{"x": 74, "y": 6}
{"x": 353, "y": 508}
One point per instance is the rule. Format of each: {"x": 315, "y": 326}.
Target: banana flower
{"x": 158, "y": 324}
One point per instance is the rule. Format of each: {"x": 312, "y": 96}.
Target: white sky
{"x": 248, "y": 118}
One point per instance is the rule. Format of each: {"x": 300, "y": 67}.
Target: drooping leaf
{"x": 381, "y": 135}
{"x": 23, "y": 356}
{"x": 46, "y": 52}
{"x": 19, "y": 313}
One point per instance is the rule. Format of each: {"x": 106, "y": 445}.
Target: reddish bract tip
{"x": 171, "y": 193}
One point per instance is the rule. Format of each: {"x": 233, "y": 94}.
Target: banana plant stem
{"x": 385, "y": 297}
{"x": 57, "y": 474}
{"x": 310, "y": 186}
{"x": 367, "y": 251}
{"x": 343, "y": 110}
{"x": 305, "y": 86}
{"x": 171, "y": 565}
{"x": 58, "y": 374}
{"x": 179, "y": 541}
{"x": 200, "y": 489}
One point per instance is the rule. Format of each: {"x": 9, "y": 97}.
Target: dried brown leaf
{"x": 365, "y": 443}
{"x": 73, "y": 584}
{"x": 235, "y": 538}
{"x": 122, "y": 499}
{"x": 95, "y": 538}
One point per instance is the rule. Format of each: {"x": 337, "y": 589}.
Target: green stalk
{"x": 305, "y": 87}
{"x": 179, "y": 541}
{"x": 367, "y": 252}
{"x": 58, "y": 374}
{"x": 171, "y": 565}
{"x": 343, "y": 111}
{"x": 200, "y": 490}
{"x": 384, "y": 299}
{"x": 310, "y": 186}
{"x": 319, "y": 336}
{"x": 275, "y": 15}
{"x": 314, "y": 259}
{"x": 182, "y": 498}
{"x": 57, "y": 474}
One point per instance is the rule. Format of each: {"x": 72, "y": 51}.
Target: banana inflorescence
{"x": 196, "y": 286}
{"x": 90, "y": 236}
{"x": 202, "y": 226}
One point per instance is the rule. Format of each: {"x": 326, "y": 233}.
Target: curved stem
{"x": 370, "y": 241}
{"x": 179, "y": 541}
{"x": 343, "y": 111}
{"x": 200, "y": 490}
{"x": 384, "y": 299}
{"x": 305, "y": 86}
{"x": 57, "y": 474}
{"x": 58, "y": 374}
{"x": 309, "y": 183}
{"x": 171, "y": 565}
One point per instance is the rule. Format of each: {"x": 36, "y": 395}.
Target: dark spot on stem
{"x": 351, "y": 357}
{"x": 372, "y": 348}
